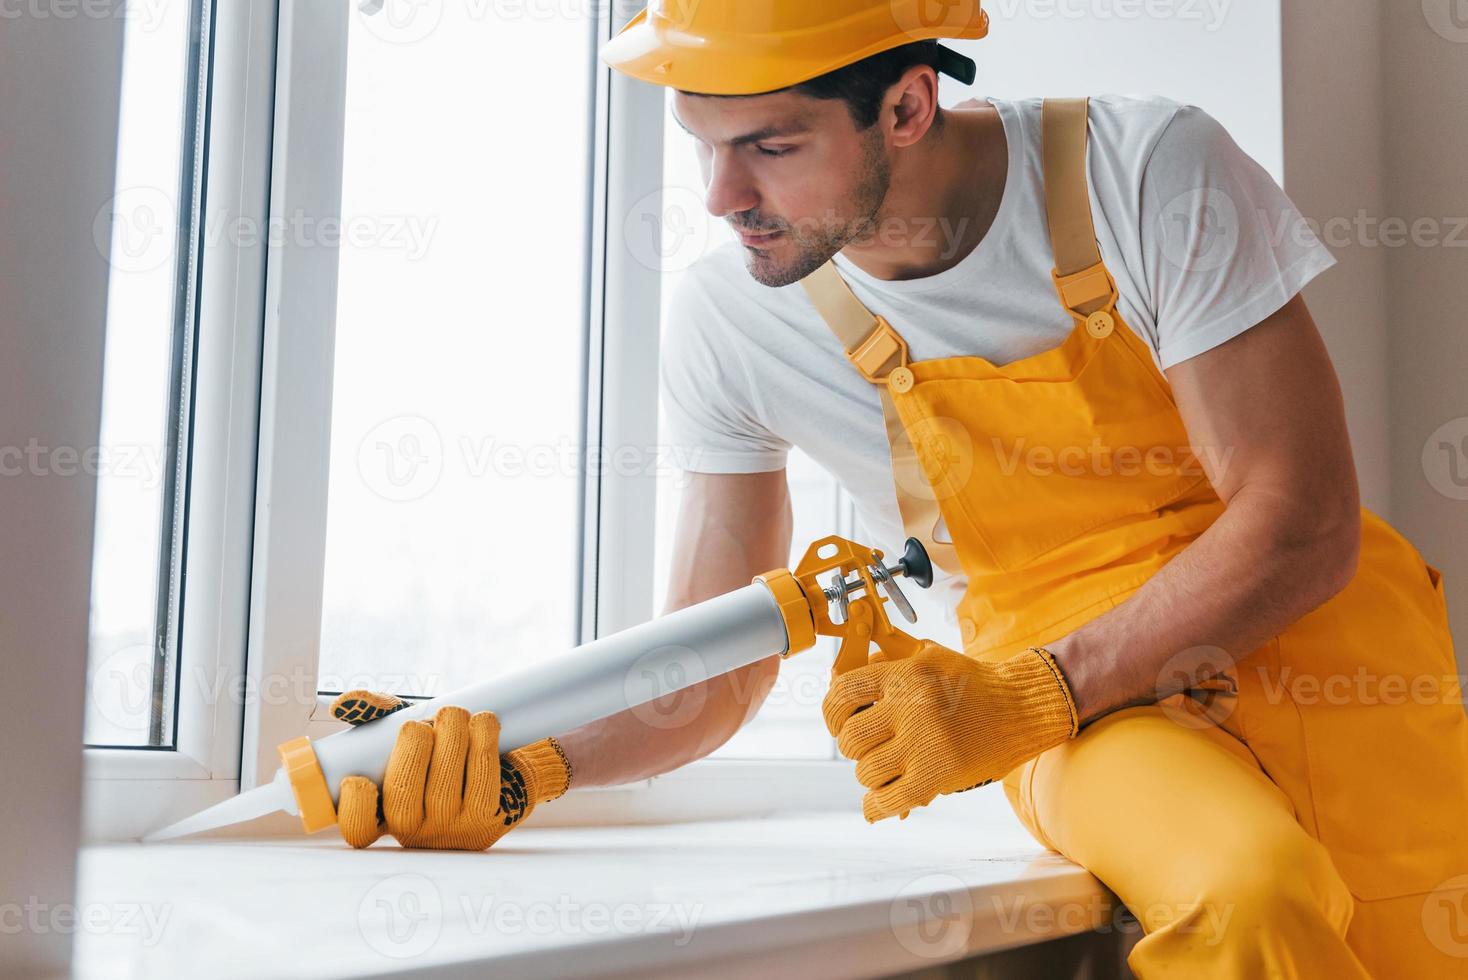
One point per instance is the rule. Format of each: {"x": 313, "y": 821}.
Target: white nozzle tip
{"x": 246, "y": 806}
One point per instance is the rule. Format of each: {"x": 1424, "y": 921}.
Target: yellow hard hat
{"x": 746, "y": 47}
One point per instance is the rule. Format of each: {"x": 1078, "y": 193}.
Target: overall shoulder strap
{"x": 875, "y": 350}
{"x": 1080, "y": 276}
{"x": 848, "y": 319}
{"x": 870, "y": 342}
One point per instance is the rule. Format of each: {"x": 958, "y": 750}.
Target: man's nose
{"x": 730, "y": 189}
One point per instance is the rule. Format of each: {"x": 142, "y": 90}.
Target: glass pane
{"x": 453, "y": 510}
{"x": 130, "y": 666}
{"x": 789, "y": 724}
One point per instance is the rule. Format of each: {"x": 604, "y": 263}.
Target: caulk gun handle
{"x": 916, "y": 566}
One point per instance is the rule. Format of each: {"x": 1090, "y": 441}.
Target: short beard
{"x": 814, "y": 249}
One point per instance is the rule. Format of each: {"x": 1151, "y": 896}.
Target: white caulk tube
{"x": 597, "y": 679}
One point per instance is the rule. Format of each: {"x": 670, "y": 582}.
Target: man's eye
{"x": 764, "y": 151}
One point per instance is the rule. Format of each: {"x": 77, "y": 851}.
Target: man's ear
{"x": 914, "y": 101}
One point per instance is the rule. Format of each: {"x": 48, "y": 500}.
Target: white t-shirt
{"x": 1202, "y": 242}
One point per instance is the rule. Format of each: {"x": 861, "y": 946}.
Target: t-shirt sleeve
{"x": 1223, "y": 246}
{"x": 706, "y": 399}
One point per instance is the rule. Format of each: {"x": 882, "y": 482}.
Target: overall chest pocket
{"x": 1035, "y": 460}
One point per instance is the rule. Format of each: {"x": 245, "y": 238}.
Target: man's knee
{"x": 1284, "y": 885}
{"x": 1272, "y": 906}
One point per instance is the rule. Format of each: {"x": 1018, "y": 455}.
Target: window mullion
{"x": 296, "y": 387}
{"x": 624, "y": 452}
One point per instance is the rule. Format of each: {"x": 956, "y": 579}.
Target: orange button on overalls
{"x": 1303, "y": 814}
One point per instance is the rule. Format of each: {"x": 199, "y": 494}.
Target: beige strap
{"x": 920, "y": 513}
{"x": 1080, "y": 277}
{"x": 871, "y": 344}
{"x": 848, "y": 319}
{"x": 862, "y": 335}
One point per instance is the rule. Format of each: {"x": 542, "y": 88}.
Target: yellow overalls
{"x": 1303, "y": 814}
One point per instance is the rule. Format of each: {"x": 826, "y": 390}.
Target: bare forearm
{"x": 667, "y": 733}
{"x": 730, "y": 528}
{"x": 1262, "y": 565}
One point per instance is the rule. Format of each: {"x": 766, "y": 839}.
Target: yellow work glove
{"x": 939, "y": 722}
{"x": 446, "y": 785}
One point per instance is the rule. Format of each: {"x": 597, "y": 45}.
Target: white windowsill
{"x": 797, "y": 893}
{"x": 121, "y": 809}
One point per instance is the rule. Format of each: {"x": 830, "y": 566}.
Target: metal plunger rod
{"x": 913, "y": 564}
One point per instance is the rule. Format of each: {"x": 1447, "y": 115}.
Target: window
{"x": 453, "y": 544}
{"x": 187, "y": 236}
{"x": 142, "y": 461}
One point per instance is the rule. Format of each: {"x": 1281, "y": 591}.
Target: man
{"x": 1116, "y": 428}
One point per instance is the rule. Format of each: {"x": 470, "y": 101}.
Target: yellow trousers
{"x": 1206, "y": 851}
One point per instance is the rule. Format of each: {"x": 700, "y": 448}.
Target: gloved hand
{"x": 940, "y": 722}
{"x": 446, "y": 784}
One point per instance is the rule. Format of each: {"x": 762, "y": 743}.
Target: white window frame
{"x": 131, "y": 790}
{"x": 296, "y": 385}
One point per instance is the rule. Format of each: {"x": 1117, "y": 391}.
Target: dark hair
{"x": 863, "y": 84}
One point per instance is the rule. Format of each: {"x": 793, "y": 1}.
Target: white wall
{"x": 1333, "y": 167}
{"x": 59, "y": 80}
{"x": 1376, "y": 127}
{"x": 1220, "y": 55}
{"x": 1425, "y": 81}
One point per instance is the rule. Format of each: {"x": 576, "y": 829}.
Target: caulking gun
{"x": 780, "y": 613}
